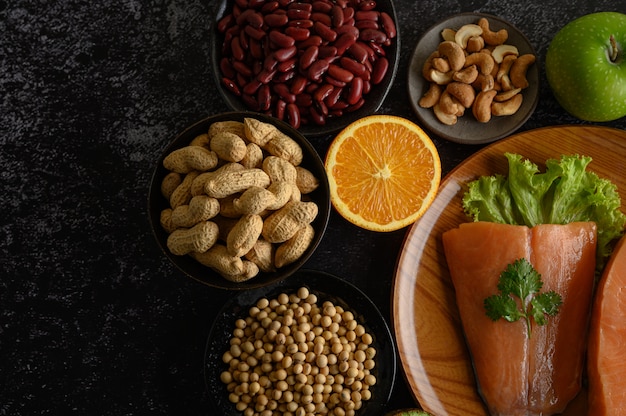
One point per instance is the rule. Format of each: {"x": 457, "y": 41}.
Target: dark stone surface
{"x": 93, "y": 319}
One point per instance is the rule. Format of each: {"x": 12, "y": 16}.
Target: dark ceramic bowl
{"x": 468, "y": 130}
{"x": 203, "y": 274}
{"x": 325, "y": 287}
{"x": 373, "y": 100}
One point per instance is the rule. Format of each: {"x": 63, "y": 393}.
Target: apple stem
{"x": 613, "y": 53}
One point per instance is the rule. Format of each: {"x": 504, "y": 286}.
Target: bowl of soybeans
{"x": 239, "y": 200}
{"x": 312, "y": 345}
{"x": 316, "y": 64}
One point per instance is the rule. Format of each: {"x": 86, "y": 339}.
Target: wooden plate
{"x": 428, "y": 331}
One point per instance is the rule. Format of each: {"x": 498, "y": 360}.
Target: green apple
{"x": 586, "y": 69}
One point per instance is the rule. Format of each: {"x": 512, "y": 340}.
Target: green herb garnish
{"x": 521, "y": 280}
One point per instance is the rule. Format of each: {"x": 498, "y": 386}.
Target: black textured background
{"x": 93, "y": 319}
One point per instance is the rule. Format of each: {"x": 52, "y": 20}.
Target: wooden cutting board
{"x": 426, "y": 323}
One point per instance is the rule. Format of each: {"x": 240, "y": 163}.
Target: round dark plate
{"x": 326, "y": 287}
{"x": 203, "y": 274}
{"x": 373, "y": 100}
{"x": 467, "y": 130}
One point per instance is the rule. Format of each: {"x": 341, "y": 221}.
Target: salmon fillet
{"x": 607, "y": 334}
{"x": 518, "y": 376}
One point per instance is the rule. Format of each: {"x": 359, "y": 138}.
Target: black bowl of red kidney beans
{"x": 316, "y": 64}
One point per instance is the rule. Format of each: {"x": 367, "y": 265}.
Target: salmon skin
{"x": 518, "y": 375}
{"x": 607, "y": 353}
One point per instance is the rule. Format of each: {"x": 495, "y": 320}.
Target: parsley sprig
{"x": 521, "y": 280}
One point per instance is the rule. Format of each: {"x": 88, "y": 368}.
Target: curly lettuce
{"x": 565, "y": 192}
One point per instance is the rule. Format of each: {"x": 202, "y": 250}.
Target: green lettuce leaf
{"x": 565, "y": 192}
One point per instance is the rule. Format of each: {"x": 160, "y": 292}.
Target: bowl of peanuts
{"x": 312, "y": 345}
{"x": 473, "y": 78}
{"x": 239, "y": 200}
{"x": 317, "y": 64}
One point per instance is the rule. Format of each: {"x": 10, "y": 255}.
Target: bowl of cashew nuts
{"x": 239, "y": 200}
{"x": 473, "y": 78}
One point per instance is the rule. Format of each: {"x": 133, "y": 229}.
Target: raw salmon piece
{"x": 607, "y": 335}
{"x": 515, "y": 375}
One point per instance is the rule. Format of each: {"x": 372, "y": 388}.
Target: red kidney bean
{"x": 270, "y": 62}
{"x": 388, "y": 25}
{"x": 297, "y": 14}
{"x": 322, "y": 18}
{"x": 355, "y": 91}
{"x": 356, "y": 105}
{"x": 284, "y": 3}
{"x": 333, "y": 96}
{"x": 379, "y": 70}
{"x": 226, "y": 68}
{"x": 255, "y": 33}
{"x": 236, "y": 50}
{"x": 293, "y": 115}
{"x": 317, "y": 69}
{"x": 348, "y": 13}
{"x": 298, "y": 84}
{"x": 340, "y": 73}
{"x": 242, "y": 68}
{"x": 283, "y": 91}
{"x": 353, "y": 66}
{"x": 242, "y": 3}
{"x": 368, "y": 50}
{"x": 287, "y": 65}
{"x": 366, "y": 15}
{"x": 366, "y": 24}
{"x": 297, "y": 33}
{"x": 282, "y": 77}
{"x": 313, "y": 40}
{"x": 327, "y": 51}
{"x": 303, "y": 23}
{"x": 283, "y": 54}
{"x": 301, "y": 6}
{"x": 316, "y": 116}
{"x": 276, "y": 20}
{"x": 225, "y": 22}
{"x": 269, "y": 7}
{"x": 279, "y": 110}
{"x": 280, "y": 39}
{"x": 321, "y": 107}
{"x": 255, "y": 4}
{"x": 231, "y": 86}
{"x": 339, "y": 105}
{"x": 322, "y": 92}
{"x": 373, "y": 36}
{"x": 367, "y": 5}
{"x": 354, "y": 31}
{"x": 358, "y": 52}
{"x": 252, "y": 87}
{"x": 308, "y": 56}
{"x": 250, "y": 102}
{"x": 264, "y": 97}
{"x": 335, "y": 82}
{"x": 255, "y": 49}
{"x": 337, "y": 16}
{"x": 344, "y": 42}
{"x": 377, "y": 48}
{"x": 304, "y": 100}
{"x": 322, "y": 6}
{"x": 266, "y": 76}
{"x": 367, "y": 87}
{"x": 324, "y": 31}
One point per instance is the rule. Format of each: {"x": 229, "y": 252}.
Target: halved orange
{"x": 384, "y": 172}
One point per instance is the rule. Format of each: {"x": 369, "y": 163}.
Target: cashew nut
{"x": 482, "y": 105}
{"x": 445, "y": 118}
{"x": 439, "y": 77}
{"x": 464, "y": 93}
{"x": 506, "y": 95}
{"x": 484, "y": 82}
{"x": 467, "y": 75}
{"x": 519, "y": 68}
{"x": 483, "y": 61}
{"x": 500, "y": 51}
{"x": 431, "y": 96}
{"x": 448, "y": 34}
{"x": 492, "y": 38}
{"x": 506, "y": 108}
{"x": 502, "y": 76}
{"x": 441, "y": 64}
{"x": 475, "y": 44}
{"x": 454, "y": 53}
{"x": 450, "y": 105}
{"x": 463, "y": 35}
